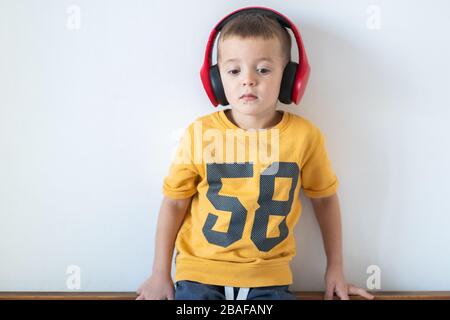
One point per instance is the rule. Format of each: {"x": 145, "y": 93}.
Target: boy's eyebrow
{"x": 261, "y": 59}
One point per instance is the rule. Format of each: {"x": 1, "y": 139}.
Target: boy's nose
{"x": 249, "y": 80}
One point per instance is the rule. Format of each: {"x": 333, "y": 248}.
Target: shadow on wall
{"x": 348, "y": 83}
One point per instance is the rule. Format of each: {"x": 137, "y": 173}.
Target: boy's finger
{"x": 364, "y": 293}
{"x": 329, "y": 293}
{"x": 367, "y": 295}
{"x": 358, "y": 291}
{"x": 343, "y": 294}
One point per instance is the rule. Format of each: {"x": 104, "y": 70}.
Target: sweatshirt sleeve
{"x": 182, "y": 179}
{"x": 317, "y": 175}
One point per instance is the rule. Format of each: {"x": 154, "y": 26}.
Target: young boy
{"x": 232, "y": 216}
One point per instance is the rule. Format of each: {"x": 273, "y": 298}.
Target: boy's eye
{"x": 261, "y": 70}
{"x": 264, "y": 70}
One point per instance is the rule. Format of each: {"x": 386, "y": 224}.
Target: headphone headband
{"x": 303, "y": 69}
{"x": 268, "y": 12}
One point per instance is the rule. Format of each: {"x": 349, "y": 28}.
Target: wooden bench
{"x": 301, "y": 295}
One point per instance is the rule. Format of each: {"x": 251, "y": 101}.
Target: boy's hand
{"x": 335, "y": 282}
{"x": 159, "y": 286}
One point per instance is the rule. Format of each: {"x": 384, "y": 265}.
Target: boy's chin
{"x": 249, "y": 108}
{"x": 246, "y": 107}
{"x": 248, "y": 111}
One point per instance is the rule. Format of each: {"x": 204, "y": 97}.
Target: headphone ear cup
{"x": 287, "y": 82}
{"x": 217, "y": 86}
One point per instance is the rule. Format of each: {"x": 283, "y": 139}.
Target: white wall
{"x": 88, "y": 118}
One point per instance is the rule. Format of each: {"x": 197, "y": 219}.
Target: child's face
{"x": 248, "y": 73}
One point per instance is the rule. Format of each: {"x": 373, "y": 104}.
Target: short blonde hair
{"x": 257, "y": 25}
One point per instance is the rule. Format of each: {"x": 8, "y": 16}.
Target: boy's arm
{"x": 328, "y": 216}
{"x": 171, "y": 216}
{"x": 159, "y": 285}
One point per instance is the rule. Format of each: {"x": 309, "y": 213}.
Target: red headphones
{"x": 295, "y": 75}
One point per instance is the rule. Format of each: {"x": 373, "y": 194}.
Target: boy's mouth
{"x": 248, "y": 97}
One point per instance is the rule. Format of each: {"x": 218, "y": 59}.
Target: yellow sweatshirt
{"x": 239, "y": 228}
